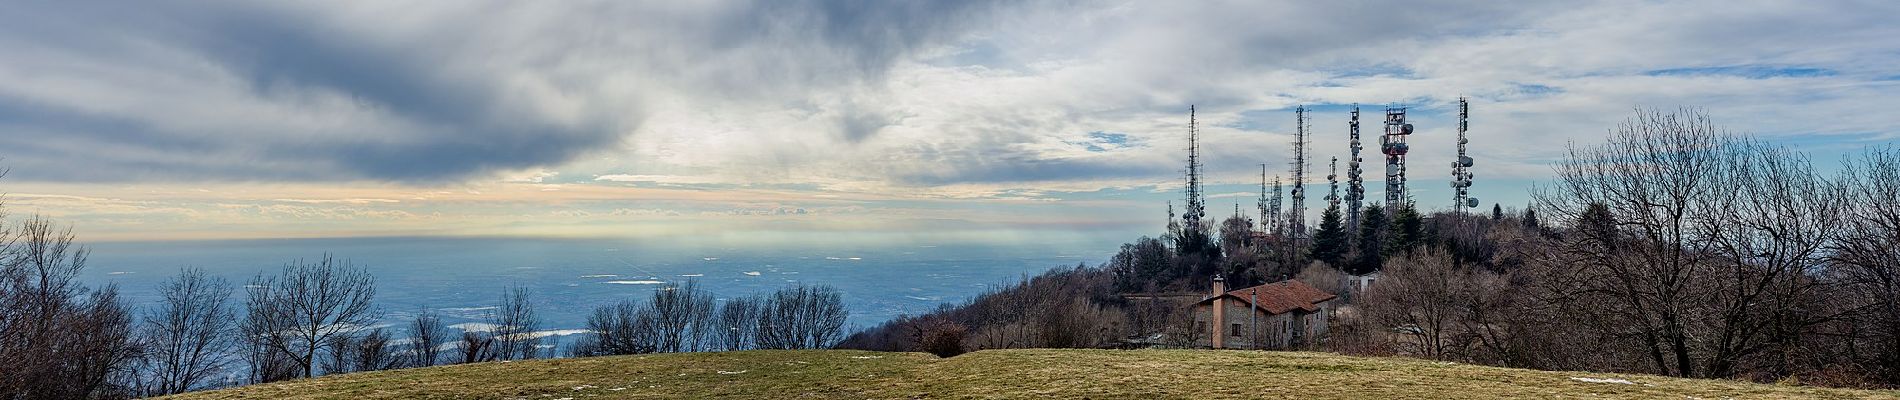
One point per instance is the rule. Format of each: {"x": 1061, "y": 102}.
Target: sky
{"x": 749, "y": 121}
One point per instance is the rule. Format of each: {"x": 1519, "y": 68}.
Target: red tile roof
{"x": 1280, "y": 297}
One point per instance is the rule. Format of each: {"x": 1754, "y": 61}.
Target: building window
{"x": 1234, "y": 331}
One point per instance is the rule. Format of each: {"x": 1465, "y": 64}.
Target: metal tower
{"x": 1394, "y": 147}
{"x": 1279, "y": 227}
{"x": 1332, "y": 179}
{"x": 1461, "y": 168}
{"x": 1296, "y": 222}
{"x": 1266, "y": 214}
{"x": 1195, "y": 208}
{"x": 1355, "y": 184}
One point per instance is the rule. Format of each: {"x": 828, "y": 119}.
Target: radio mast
{"x": 1394, "y": 147}
{"x": 1355, "y": 184}
{"x": 1461, "y": 168}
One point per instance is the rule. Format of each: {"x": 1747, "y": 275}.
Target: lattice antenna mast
{"x": 1297, "y": 218}
{"x": 1332, "y": 179}
{"x": 1195, "y": 208}
{"x": 1394, "y": 147}
{"x": 1461, "y": 168}
{"x": 1266, "y": 215}
{"x": 1297, "y": 221}
{"x": 1279, "y": 225}
{"x": 1355, "y": 183}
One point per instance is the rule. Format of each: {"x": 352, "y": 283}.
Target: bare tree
{"x": 1420, "y": 298}
{"x": 618, "y": 329}
{"x": 680, "y": 311}
{"x": 1656, "y": 170}
{"x": 802, "y": 317}
{"x": 342, "y": 354}
{"x": 426, "y": 336}
{"x": 1770, "y": 224}
{"x": 738, "y": 324}
{"x": 373, "y": 352}
{"x": 302, "y": 311}
{"x": 268, "y": 364}
{"x": 1868, "y": 261}
{"x": 59, "y": 340}
{"x": 188, "y": 337}
{"x": 515, "y": 325}
{"x": 475, "y": 347}
{"x": 700, "y": 328}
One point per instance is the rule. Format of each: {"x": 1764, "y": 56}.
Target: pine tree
{"x": 1407, "y": 231}
{"x": 1330, "y": 242}
{"x": 1497, "y": 212}
{"x": 1371, "y": 242}
{"x": 1530, "y": 219}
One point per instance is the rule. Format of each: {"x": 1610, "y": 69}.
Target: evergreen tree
{"x": 1197, "y": 254}
{"x": 1407, "y": 231}
{"x": 1238, "y": 251}
{"x": 1497, "y": 212}
{"x": 1372, "y": 234}
{"x": 1330, "y": 242}
{"x": 1530, "y": 219}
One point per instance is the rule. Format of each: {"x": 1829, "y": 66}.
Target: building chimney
{"x": 1220, "y": 311}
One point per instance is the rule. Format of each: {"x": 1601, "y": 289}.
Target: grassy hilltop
{"x": 1097, "y": 374}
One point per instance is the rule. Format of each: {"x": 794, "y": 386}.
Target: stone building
{"x": 1281, "y": 315}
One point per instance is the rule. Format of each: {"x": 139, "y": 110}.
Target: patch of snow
{"x": 752, "y": 273}
{"x": 584, "y": 387}
{"x": 732, "y": 372}
{"x": 639, "y": 282}
{"x": 1603, "y": 380}
{"x": 475, "y": 326}
{"x": 867, "y": 357}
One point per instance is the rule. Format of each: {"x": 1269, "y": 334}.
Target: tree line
{"x": 60, "y": 339}
{"x": 1686, "y": 251}
{"x": 1674, "y": 247}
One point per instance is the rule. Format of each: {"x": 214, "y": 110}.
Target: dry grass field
{"x": 1067, "y": 374}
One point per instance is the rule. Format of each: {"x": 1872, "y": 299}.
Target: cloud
{"x": 964, "y": 100}
{"x": 407, "y": 92}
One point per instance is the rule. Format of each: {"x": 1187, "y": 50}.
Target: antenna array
{"x": 1296, "y": 221}
{"x": 1394, "y": 147}
{"x": 1332, "y": 179}
{"x": 1195, "y": 208}
{"x": 1461, "y": 167}
{"x": 1355, "y": 184}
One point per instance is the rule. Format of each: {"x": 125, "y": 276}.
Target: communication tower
{"x": 1332, "y": 179}
{"x": 1195, "y": 208}
{"x": 1266, "y": 214}
{"x": 1461, "y": 168}
{"x": 1394, "y": 147}
{"x": 1297, "y": 221}
{"x": 1279, "y": 227}
{"x": 1355, "y": 183}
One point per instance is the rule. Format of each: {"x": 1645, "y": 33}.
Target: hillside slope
{"x": 825, "y": 374}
